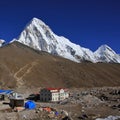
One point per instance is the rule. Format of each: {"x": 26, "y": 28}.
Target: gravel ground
{"x": 85, "y": 104}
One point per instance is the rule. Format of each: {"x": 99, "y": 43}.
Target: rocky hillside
{"x": 22, "y": 66}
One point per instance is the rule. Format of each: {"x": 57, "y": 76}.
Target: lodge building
{"x": 53, "y": 94}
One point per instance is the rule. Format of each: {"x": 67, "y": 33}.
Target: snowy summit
{"x": 39, "y": 36}
{"x": 2, "y": 42}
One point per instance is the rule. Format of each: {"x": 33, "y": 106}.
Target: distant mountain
{"x": 106, "y": 54}
{"x": 39, "y": 36}
{"x": 2, "y": 42}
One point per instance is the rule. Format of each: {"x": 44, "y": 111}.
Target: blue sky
{"x": 89, "y": 23}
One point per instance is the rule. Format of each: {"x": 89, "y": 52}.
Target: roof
{"x": 53, "y": 88}
{"x": 5, "y": 91}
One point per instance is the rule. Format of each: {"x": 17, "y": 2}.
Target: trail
{"x": 23, "y": 71}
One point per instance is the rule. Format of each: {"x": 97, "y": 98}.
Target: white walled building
{"x": 53, "y": 94}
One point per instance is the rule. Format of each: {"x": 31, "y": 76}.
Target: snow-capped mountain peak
{"x": 38, "y": 21}
{"x": 105, "y": 49}
{"x": 106, "y": 54}
{"x": 2, "y": 42}
{"x": 38, "y": 35}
